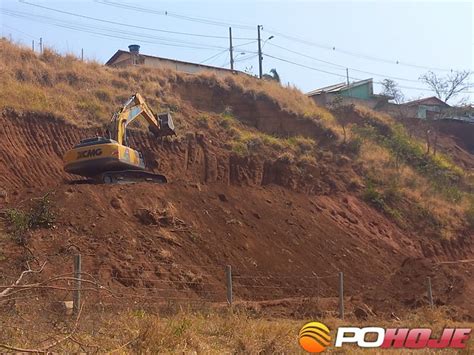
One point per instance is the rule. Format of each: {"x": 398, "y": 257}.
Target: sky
{"x": 312, "y": 45}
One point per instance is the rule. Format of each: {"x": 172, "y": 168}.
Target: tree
{"x": 449, "y": 86}
{"x": 272, "y": 76}
{"x": 390, "y": 88}
{"x": 343, "y": 113}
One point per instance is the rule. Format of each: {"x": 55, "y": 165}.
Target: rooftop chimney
{"x": 134, "y": 48}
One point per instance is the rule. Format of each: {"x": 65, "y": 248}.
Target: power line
{"x": 355, "y": 54}
{"x": 225, "y": 50}
{"x": 113, "y": 33}
{"x": 214, "y": 56}
{"x": 126, "y": 25}
{"x": 343, "y": 67}
{"x": 306, "y": 66}
{"x": 122, "y": 34}
{"x": 295, "y": 38}
{"x": 244, "y": 58}
{"x": 226, "y": 62}
{"x": 17, "y": 30}
{"x": 204, "y": 20}
{"x": 336, "y": 74}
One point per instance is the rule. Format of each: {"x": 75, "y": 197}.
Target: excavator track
{"x": 130, "y": 176}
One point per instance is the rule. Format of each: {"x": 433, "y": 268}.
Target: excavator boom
{"x": 160, "y": 125}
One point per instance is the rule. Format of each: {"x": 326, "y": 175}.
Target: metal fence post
{"x": 228, "y": 274}
{"x": 430, "y": 292}
{"x": 341, "y": 295}
{"x": 76, "y": 297}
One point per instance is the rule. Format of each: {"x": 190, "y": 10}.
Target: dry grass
{"x": 86, "y": 93}
{"x": 402, "y": 179}
{"x": 212, "y": 332}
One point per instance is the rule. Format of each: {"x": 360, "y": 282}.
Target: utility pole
{"x": 228, "y": 276}
{"x": 33, "y": 45}
{"x": 231, "y": 50}
{"x": 82, "y": 54}
{"x": 348, "y": 83}
{"x": 260, "y": 57}
{"x": 76, "y": 296}
{"x": 41, "y": 45}
{"x": 341, "y": 295}
{"x": 430, "y": 292}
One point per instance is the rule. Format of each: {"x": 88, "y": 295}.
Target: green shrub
{"x": 239, "y": 148}
{"x": 392, "y": 194}
{"x": 254, "y": 143}
{"x": 470, "y": 214}
{"x": 451, "y": 192}
{"x": 374, "y": 197}
{"x": 286, "y": 157}
{"x": 235, "y": 133}
{"x": 225, "y": 122}
{"x": 40, "y": 215}
{"x": 424, "y": 215}
{"x": 273, "y": 142}
{"x": 353, "y": 146}
{"x": 381, "y": 202}
{"x": 19, "y": 224}
{"x": 203, "y": 121}
{"x": 303, "y": 144}
{"x": 406, "y": 150}
{"x": 307, "y": 159}
{"x": 228, "y": 112}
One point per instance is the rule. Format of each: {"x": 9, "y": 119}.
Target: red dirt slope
{"x": 263, "y": 216}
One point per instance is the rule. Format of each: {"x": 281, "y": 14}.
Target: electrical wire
{"x": 17, "y": 30}
{"x": 306, "y": 66}
{"x": 127, "y": 25}
{"x": 342, "y": 67}
{"x": 244, "y": 58}
{"x": 355, "y": 54}
{"x": 214, "y": 56}
{"x": 121, "y": 34}
{"x": 204, "y": 20}
{"x": 113, "y": 33}
{"x": 294, "y": 38}
{"x": 226, "y": 62}
{"x": 336, "y": 74}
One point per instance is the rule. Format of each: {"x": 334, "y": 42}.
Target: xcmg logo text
{"x": 314, "y": 337}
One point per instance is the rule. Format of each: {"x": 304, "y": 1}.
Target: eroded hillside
{"x": 260, "y": 178}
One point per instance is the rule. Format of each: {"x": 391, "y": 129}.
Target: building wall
{"x": 363, "y": 92}
{"x": 425, "y": 110}
{"x": 125, "y": 60}
{"x": 183, "y": 67}
{"x": 325, "y": 99}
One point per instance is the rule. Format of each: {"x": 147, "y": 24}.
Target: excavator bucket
{"x": 166, "y": 125}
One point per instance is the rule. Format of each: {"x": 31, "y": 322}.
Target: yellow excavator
{"x": 110, "y": 159}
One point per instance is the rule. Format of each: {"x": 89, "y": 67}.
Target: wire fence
{"x": 86, "y": 290}
{"x": 87, "y": 280}
{"x": 160, "y": 283}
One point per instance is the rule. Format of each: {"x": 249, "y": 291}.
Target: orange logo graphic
{"x": 314, "y": 337}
